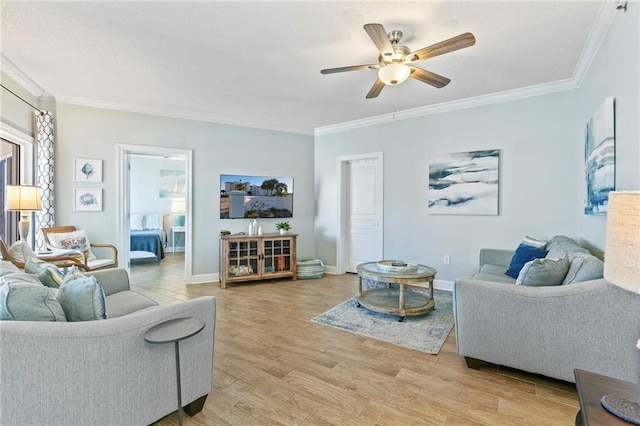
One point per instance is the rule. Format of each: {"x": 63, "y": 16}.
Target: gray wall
{"x": 615, "y": 72}
{"x": 542, "y": 176}
{"x": 540, "y": 141}
{"x": 94, "y": 133}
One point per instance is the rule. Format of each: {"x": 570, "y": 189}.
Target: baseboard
{"x": 205, "y": 278}
{"x": 331, "y": 270}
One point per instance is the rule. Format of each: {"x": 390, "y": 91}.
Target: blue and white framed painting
{"x": 600, "y": 159}
{"x": 465, "y": 183}
{"x": 87, "y": 170}
{"x": 87, "y": 199}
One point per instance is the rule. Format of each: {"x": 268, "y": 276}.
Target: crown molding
{"x": 187, "y": 115}
{"x": 16, "y": 74}
{"x": 597, "y": 34}
{"x": 11, "y": 70}
{"x": 492, "y": 98}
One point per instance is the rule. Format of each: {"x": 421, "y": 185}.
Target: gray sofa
{"x": 585, "y": 323}
{"x": 103, "y": 372}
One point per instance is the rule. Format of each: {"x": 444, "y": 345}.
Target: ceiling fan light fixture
{"x": 394, "y": 73}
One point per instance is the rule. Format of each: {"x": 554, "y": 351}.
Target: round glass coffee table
{"x": 401, "y": 301}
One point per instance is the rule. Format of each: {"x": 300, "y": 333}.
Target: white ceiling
{"x": 258, "y": 63}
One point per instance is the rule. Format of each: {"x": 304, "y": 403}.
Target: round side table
{"x": 173, "y": 331}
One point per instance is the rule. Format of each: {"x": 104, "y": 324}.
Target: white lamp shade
{"x": 394, "y": 73}
{"x": 24, "y": 198}
{"x": 178, "y": 207}
{"x": 622, "y": 251}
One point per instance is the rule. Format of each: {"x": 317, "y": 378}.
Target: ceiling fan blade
{"x": 454, "y": 43}
{"x": 345, "y": 69}
{"x": 429, "y": 77}
{"x": 375, "y": 89}
{"x": 380, "y": 38}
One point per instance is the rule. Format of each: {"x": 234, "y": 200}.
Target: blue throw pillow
{"x": 24, "y": 298}
{"x": 524, "y": 253}
{"x": 82, "y": 299}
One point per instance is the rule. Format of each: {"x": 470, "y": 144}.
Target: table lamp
{"x": 25, "y": 199}
{"x": 622, "y": 268}
{"x": 179, "y": 208}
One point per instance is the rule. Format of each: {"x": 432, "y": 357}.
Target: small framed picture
{"x": 87, "y": 199}
{"x": 87, "y": 170}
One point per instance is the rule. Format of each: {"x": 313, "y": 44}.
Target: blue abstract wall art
{"x": 600, "y": 159}
{"x": 172, "y": 184}
{"x": 464, "y": 183}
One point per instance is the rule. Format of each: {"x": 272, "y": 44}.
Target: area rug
{"x": 425, "y": 333}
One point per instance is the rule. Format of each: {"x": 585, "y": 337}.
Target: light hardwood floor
{"x": 272, "y": 365}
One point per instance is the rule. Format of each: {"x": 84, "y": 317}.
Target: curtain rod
{"x": 14, "y": 94}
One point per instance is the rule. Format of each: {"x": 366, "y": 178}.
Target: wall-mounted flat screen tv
{"x": 244, "y": 196}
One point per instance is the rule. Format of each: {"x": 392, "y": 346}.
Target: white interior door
{"x": 364, "y": 209}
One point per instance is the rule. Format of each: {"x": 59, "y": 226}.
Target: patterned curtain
{"x": 44, "y": 174}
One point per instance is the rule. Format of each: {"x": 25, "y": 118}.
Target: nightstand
{"x": 177, "y": 230}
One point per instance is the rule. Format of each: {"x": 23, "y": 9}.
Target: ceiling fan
{"x": 395, "y": 63}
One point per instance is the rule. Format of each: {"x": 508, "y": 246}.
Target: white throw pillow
{"x": 153, "y": 221}
{"x": 136, "y": 222}
{"x": 20, "y": 251}
{"x": 534, "y": 242}
{"x": 76, "y": 240}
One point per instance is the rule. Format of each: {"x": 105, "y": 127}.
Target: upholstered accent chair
{"x": 71, "y": 238}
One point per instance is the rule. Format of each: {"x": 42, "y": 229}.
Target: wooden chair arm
{"x": 67, "y": 261}
{"x": 109, "y": 246}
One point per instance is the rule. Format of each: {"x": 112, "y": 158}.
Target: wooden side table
{"x": 591, "y": 387}
{"x": 173, "y": 331}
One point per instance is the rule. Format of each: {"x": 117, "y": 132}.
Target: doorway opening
{"x": 155, "y": 201}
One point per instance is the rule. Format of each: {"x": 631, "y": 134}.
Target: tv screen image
{"x": 243, "y": 196}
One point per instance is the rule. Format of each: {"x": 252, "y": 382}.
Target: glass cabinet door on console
{"x": 243, "y": 258}
{"x": 277, "y": 256}
{"x": 257, "y": 257}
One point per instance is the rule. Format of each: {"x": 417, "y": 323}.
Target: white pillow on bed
{"x": 153, "y": 221}
{"x": 135, "y": 223}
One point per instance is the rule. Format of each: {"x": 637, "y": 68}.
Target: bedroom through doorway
{"x": 154, "y": 215}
